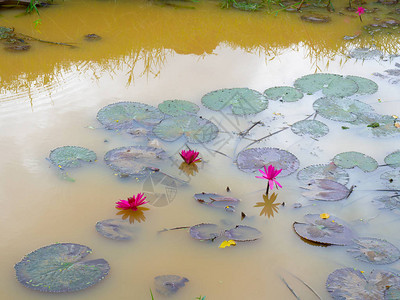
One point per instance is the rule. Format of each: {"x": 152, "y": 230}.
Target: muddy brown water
{"x": 149, "y": 53}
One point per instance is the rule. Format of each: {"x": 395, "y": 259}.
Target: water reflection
{"x": 189, "y": 169}
{"x": 133, "y": 216}
{"x": 269, "y": 207}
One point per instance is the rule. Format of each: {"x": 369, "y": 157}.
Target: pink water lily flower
{"x": 360, "y": 10}
{"x": 189, "y": 156}
{"x": 270, "y": 175}
{"x": 132, "y": 202}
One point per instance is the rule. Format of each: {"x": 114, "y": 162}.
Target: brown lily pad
{"x": 315, "y": 18}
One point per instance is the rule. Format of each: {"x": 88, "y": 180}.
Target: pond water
{"x": 150, "y": 53}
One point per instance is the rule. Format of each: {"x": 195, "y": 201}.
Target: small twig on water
{"x": 290, "y": 289}
{"x": 351, "y": 190}
{"x": 174, "y": 228}
{"x": 47, "y": 42}
{"x": 267, "y": 136}
{"x": 309, "y": 287}
{"x": 246, "y": 132}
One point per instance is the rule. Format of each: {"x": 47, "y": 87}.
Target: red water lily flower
{"x": 270, "y": 175}
{"x": 132, "y": 202}
{"x": 189, "y": 156}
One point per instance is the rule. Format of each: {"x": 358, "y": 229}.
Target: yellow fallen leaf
{"x": 324, "y": 216}
{"x": 397, "y": 124}
{"x": 227, "y": 244}
{"x": 395, "y": 117}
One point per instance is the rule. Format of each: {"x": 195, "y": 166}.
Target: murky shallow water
{"x": 50, "y": 98}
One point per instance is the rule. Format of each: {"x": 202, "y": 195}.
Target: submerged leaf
{"x": 393, "y": 159}
{"x": 205, "y": 231}
{"x": 389, "y": 201}
{"x": 374, "y": 251}
{"x": 178, "y": 107}
{"x": 216, "y": 200}
{"x": 169, "y": 284}
{"x": 327, "y": 171}
{"x": 349, "y": 160}
{"x": 115, "y": 229}
{"x": 326, "y": 190}
{"x": 71, "y": 156}
{"x": 312, "y": 128}
{"x": 391, "y": 179}
{"x": 284, "y": 93}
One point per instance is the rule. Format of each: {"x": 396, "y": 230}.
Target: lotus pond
{"x": 103, "y": 113}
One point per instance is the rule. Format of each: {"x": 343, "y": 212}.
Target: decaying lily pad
{"x": 314, "y": 82}
{"x": 327, "y": 171}
{"x": 205, "y": 231}
{"x": 92, "y": 37}
{"x": 389, "y": 201}
{"x": 330, "y": 231}
{"x": 326, "y": 190}
{"x": 71, "y": 156}
{"x": 315, "y": 18}
{"x": 391, "y": 179}
{"x": 115, "y": 229}
{"x": 6, "y": 33}
{"x": 194, "y": 128}
{"x": 365, "y": 53}
{"x": 393, "y": 159}
{"x": 216, "y": 200}
{"x": 134, "y": 160}
{"x": 178, "y": 107}
{"x": 312, "y": 128}
{"x": 59, "y": 268}
{"x": 349, "y": 160}
{"x": 243, "y": 101}
{"x": 340, "y": 87}
{"x": 349, "y": 283}
{"x": 284, "y": 93}
{"x": 169, "y": 284}
{"x": 392, "y": 293}
{"x": 243, "y": 233}
{"x": 125, "y": 115}
{"x": 253, "y": 159}
{"x": 374, "y": 251}
{"x": 365, "y": 86}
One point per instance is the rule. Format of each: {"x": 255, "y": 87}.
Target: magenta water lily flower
{"x": 360, "y": 11}
{"x": 132, "y": 202}
{"x": 270, "y": 174}
{"x": 189, "y": 156}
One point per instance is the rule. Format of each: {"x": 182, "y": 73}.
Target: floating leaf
{"x": 349, "y": 283}
{"x": 216, "y": 200}
{"x": 340, "y": 87}
{"x": 243, "y": 233}
{"x": 387, "y": 126}
{"x": 124, "y": 115}
{"x": 349, "y": 160}
{"x": 205, "y": 231}
{"x": 169, "y": 284}
{"x": 324, "y": 216}
{"x": 391, "y": 179}
{"x": 195, "y": 129}
{"x": 71, "y": 156}
{"x": 327, "y": 171}
{"x": 365, "y": 86}
{"x": 365, "y": 53}
{"x": 389, "y": 201}
{"x": 392, "y": 293}
{"x": 115, "y": 229}
{"x": 374, "y": 251}
{"x": 284, "y": 93}
{"x": 251, "y": 160}
{"x": 393, "y": 159}
{"x": 134, "y": 160}
{"x": 59, "y": 268}
{"x": 243, "y": 101}
{"x": 326, "y": 190}
{"x": 225, "y": 244}
{"x": 314, "y": 82}
{"x": 312, "y": 128}
{"x": 178, "y": 107}
{"x": 331, "y": 231}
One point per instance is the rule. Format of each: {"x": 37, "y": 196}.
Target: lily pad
{"x": 349, "y": 283}
{"x": 178, "y": 107}
{"x": 387, "y": 127}
{"x": 393, "y": 159}
{"x": 315, "y": 18}
{"x": 195, "y": 129}
{"x": 326, "y": 190}
{"x": 71, "y": 156}
{"x": 134, "y": 160}
{"x": 341, "y": 109}
{"x": 115, "y": 229}
{"x": 205, "y": 231}
{"x": 329, "y": 231}
{"x": 340, "y": 87}
{"x": 314, "y": 82}
{"x": 253, "y": 159}
{"x": 389, "y": 201}
{"x": 391, "y": 179}
{"x": 243, "y": 101}
{"x": 216, "y": 200}
{"x": 365, "y": 53}
{"x": 392, "y": 293}
{"x": 312, "y": 128}
{"x": 6, "y": 33}
{"x": 349, "y": 160}
{"x": 374, "y": 251}
{"x": 59, "y": 268}
{"x": 169, "y": 284}
{"x": 125, "y": 115}
{"x": 327, "y": 171}
{"x": 284, "y": 93}
{"x": 365, "y": 86}
{"x": 243, "y": 233}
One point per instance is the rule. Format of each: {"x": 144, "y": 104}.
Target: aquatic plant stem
{"x": 48, "y": 42}
{"x": 290, "y": 289}
{"x": 266, "y": 192}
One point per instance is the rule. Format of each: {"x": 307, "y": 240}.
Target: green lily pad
{"x": 349, "y": 160}
{"x": 284, "y": 93}
{"x": 194, "y": 128}
{"x": 134, "y": 160}
{"x": 349, "y": 283}
{"x": 326, "y": 190}
{"x": 71, "y": 156}
{"x": 389, "y": 201}
{"x": 115, "y": 229}
{"x": 169, "y": 284}
{"x": 59, "y": 268}
{"x": 327, "y": 171}
{"x": 386, "y": 127}
{"x": 312, "y": 128}
{"x": 365, "y": 86}
{"x": 341, "y": 109}
{"x": 253, "y": 159}
{"x": 243, "y": 233}
{"x": 393, "y": 159}
{"x": 178, "y": 107}
{"x": 314, "y": 82}
{"x": 391, "y": 179}
{"x": 128, "y": 115}
{"x": 340, "y": 87}
{"x": 374, "y": 251}
{"x": 205, "y": 231}
{"x": 243, "y": 101}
